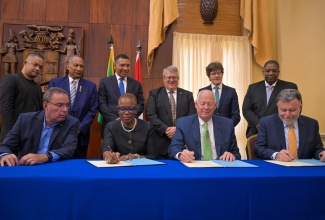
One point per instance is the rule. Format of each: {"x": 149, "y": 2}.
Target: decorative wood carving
{"x": 209, "y": 10}
{"x": 46, "y": 40}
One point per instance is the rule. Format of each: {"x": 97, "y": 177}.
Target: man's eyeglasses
{"x": 171, "y": 78}
{"x": 123, "y": 110}
{"x": 60, "y": 105}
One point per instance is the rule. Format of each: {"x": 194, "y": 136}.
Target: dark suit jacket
{"x": 254, "y": 105}
{"x": 188, "y": 133}
{"x": 158, "y": 112}
{"x": 109, "y": 93}
{"x": 142, "y": 139}
{"x": 26, "y": 135}
{"x": 84, "y": 107}
{"x": 228, "y": 105}
{"x": 271, "y": 138}
{"x": 17, "y": 95}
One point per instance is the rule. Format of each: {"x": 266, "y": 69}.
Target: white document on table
{"x": 134, "y": 162}
{"x": 296, "y": 163}
{"x": 201, "y": 164}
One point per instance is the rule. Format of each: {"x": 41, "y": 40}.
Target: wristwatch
{"x": 49, "y": 156}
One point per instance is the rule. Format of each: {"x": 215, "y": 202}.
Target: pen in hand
{"x": 112, "y": 158}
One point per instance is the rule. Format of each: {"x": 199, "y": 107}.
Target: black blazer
{"x": 228, "y": 105}
{"x": 158, "y": 112}
{"x": 254, "y": 105}
{"x": 109, "y": 93}
{"x": 17, "y": 95}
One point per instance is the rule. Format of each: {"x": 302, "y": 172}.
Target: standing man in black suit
{"x": 260, "y": 99}
{"x": 111, "y": 88}
{"x": 226, "y": 97}
{"x": 19, "y": 93}
{"x": 165, "y": 105}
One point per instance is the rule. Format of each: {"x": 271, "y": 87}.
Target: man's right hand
{"x": 186, "y": 156}
{"x": 284, "y": 156}
{"x": 9, "y": 159}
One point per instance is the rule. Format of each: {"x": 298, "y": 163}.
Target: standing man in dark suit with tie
{"x": 226, "y": 97}
{"x": 19, "y": 93}
{"x": 260, "y": 99}
{"x": 111, "y": 88}
{"x": 165, "y": 105}
{"x": 83, "y": 98}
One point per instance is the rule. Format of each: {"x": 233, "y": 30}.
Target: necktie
{"x": 207, "y": 150}
{"x": 269, "y": 90}
{"x": 73, "y": 91}
{"x": 122, "y": 90}
{"x": 292, "y": 142}
{"x": 172, "y": 106}
{"x": 216, "y": 93}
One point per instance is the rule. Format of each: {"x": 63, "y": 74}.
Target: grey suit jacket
{"x": 255, "y": 107}
{"x": 158, "y": 112}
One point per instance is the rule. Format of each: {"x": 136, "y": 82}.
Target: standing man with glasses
{"x": 165, "y": 105}
{"x": 260, "y": 99}
{"x": 226, "y": 97}
{"x": 45, "y": 136}
{"x": 83, "y": 99}
{"x": 111, "y": 88}
{"x": 19, "y": 93}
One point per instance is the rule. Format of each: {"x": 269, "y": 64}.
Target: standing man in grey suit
{"x": 19, "y": 93}
{"x": 226, "y": 97}
{"x": 111, "y": 88}
{"x": 159, "y": 109}
{"x": 260, "y": 99}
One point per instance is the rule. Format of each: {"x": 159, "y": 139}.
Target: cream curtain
{"x": 193, "y": 52}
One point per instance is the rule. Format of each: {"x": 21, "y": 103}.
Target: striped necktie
{"x": 172, "y": 106}
{"x": 73, "y": 91}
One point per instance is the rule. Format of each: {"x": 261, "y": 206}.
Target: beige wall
{"x": 298, "y": 40}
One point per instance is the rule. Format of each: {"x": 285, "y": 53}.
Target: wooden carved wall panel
{"x": 55, "y": 43}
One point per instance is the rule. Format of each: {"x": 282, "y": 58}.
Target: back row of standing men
{"x": 19, "y": 93}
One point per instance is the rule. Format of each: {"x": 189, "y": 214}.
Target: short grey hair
{"x": 49, "y": 93}
{"x": 72, "y": 57}
{"x": 287, "y": 95}
{"x": 172, "y": 69}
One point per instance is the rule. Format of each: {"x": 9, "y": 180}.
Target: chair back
{"x": 250, "y": 147}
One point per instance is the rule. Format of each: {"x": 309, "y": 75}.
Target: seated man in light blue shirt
{"x": 46, "y": 136}
{"x": 273, "y": 137}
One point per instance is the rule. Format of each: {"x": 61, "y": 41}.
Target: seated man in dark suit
{"x": 226, "y": 97}
{"x": 204, "y": 136}
{"x": 288, "y": 135}
{"x": 260, "y": 98}
{"x": 46, "y": 136}
{"x": 165, "y": 105}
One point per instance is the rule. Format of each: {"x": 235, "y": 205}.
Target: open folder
{"x": 134, "y": 162}
{"x": 218, "y": 163}
{"x": 298, "y": 163}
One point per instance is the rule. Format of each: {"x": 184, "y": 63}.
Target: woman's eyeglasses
{"x": 123, "y": 110}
